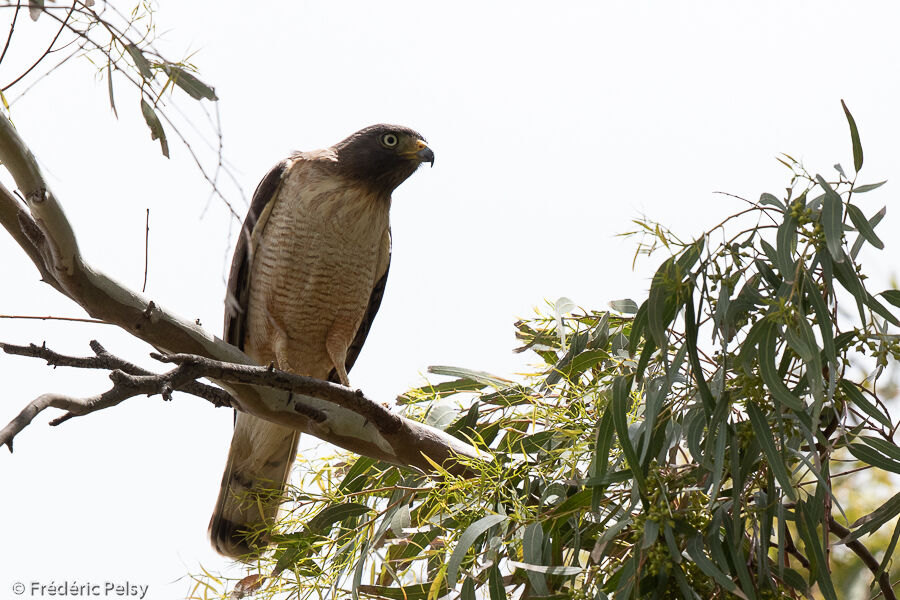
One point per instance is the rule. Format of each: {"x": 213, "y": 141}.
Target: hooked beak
{"x": 424, "y": 153}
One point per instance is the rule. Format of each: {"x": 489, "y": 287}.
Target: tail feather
{"x": 259, "y": 463}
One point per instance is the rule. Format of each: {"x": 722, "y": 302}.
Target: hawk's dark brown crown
{"x": 382, "y": 156}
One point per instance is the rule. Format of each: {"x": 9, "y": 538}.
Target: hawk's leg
{"x": 336, "y": 345}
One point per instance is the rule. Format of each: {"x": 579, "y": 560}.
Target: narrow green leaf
{"x": 143, "y": 66}
{"x": 848, "y": 278}
{"x": 466, "y": 540}
{"x": 888, "y": 552}
{"x": 832, "y": 215}
{"x": 854, "y": 138}
{"x": 195, "y": 88}
{"x": 892, "y": 296}
{"x": 659, "y": 300}
{"x": 533, "y": 553}
{"x": 888, "y": 448}
{"x": 873, "y": 222}
{"x": 881, "y": 309}
{"x": 565, "y": 570}
{"x": 862, "y": 224}
{"x": 109, "y": 84}
{"x": 620, "y": 407}
{"x": 806, "y": 525}
{"x": 695, "y": 551}
{"x": 853, "y": 393}
{"x": 467, "y": 592}
{"x": 441, "y": 390}
{"x": 415, "y": 591}
{"x": 767, "y": 443}
{"x": 769, "y": 372}
{"x": 495, "y": 584}
{"x": 462, "y": 373}
{"x": 603, "y": 444}
{"x": 862, "y": 189}
{"x": 690, "y": 334}
{"x": 330, "y": 515}
{"x": 637, "y": 328}
{"x": 156, "y": 129}
{"x": 872, "y": 457}
{"x": 786, "y": 244}
{"x": 873, "y": 521}
{"x": 814, "y": 297}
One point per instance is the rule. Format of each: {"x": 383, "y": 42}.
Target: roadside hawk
{"x": 307, "y": 278}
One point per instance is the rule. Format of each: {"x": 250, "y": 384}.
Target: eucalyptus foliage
{"x": 686, "y": 447}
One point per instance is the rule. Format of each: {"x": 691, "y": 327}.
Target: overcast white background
{"x": 553, "y": 125}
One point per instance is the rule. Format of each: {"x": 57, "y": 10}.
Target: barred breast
{"x": 317, "y": 261}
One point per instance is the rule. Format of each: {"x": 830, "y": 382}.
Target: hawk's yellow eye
{"x": 389, "y": 139}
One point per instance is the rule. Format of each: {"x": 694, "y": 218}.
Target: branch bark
{"x": 858, "y": 548}
{"x": 351, "y": 421}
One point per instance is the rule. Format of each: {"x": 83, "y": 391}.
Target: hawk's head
{"x": 382, "y": 156}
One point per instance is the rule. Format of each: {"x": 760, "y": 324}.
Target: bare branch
{"x": 314, "y": 403}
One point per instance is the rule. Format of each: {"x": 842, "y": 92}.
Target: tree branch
{"x": 352, "y": 422}
{"x": 312, "y": 403}
{"x": 884, "y": 579}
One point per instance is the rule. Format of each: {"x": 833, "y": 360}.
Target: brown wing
{"x": 366, "y": 324}
{"x": 237, "y": 296}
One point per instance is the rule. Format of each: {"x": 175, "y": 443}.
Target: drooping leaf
{"x": 156, "y": 129}
{"x": 468, "y": 537}
{"x": 767, "y": 442}
{"x": 769, "y": 372}
{"x": 620, "y": 407}
{"x": 873, "y": 521}
{"x": 496, "y": 590}
{"x": 832, "y": 215}
{"x": 786, "y": 245}
{"x": 695, "y": 551}
{"x": 806, "y": 525}
{"x": 140, "y": 61}
{"x": 854, "y": 138}
{"x": 109, "y": 88}
{"x": 35, "y": 8}
{"x": 533, "y": 553}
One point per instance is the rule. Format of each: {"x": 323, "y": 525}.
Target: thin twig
{"x": 51, "y": 318}
{"x": 45, "y": 54}
{"x": 146, "y": 250}
{"x": 12, "y": 27}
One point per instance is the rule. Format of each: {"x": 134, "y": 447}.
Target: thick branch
{"x": 46, "y": 235}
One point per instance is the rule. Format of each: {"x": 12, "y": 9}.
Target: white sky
{"x": 553, "y": 125}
